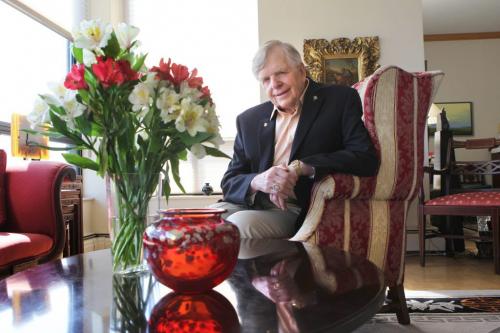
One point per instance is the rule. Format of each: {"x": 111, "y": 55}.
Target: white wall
{"x": 472, "y": 69}
{"x": 397, "y": 23}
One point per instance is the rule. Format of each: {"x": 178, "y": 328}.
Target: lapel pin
{"x": 265, "y": 124}
{"x": 315, "y": 98}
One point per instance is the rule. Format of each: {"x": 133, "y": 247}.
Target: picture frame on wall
{"x": 341, "y": 61}
{"x": 459, "y": 115}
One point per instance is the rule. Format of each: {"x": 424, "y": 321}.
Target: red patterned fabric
{"x": 3, "y": 164}
{"x": 467, "y": 199}
{"x": 367, "y": 216}
{"x": 14, "y": 247}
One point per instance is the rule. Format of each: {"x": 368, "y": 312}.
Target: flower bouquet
{"x": 137, "y": 122}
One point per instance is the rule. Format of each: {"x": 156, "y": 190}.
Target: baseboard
{"x": 97, "y": 235}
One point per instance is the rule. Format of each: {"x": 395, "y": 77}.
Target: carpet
{"x": 452, "y": 311}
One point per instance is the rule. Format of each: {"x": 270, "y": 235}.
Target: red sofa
{"x": 32, "y": 229}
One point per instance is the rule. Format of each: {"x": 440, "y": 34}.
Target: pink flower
{"x": 110, "y": 72}
{"x": 75, "y": 79}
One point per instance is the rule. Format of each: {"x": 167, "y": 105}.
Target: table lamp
{"x": 24, "y": 144}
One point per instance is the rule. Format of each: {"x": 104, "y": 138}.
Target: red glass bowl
{"x": 208, "y": 312}
{"x": 191, "y": 250}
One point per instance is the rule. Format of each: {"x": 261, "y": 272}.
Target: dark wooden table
{"x": 276, "y": 284}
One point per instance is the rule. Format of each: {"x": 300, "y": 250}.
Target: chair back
{"x": 395, "y": 107}
{"x": 367, "y": 215}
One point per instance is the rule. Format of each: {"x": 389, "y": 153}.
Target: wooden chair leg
{"x": 421, "y": 235}
{"x": 397, "y": 296}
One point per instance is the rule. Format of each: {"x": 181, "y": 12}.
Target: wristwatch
{"x": 296, "y": 165}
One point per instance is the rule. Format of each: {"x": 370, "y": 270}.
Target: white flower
{"x": 187, "y": 92}
{"x": 92, "y": 35}
{"x": 168, "y": 103}
{"x": 89, "y": 58}
{"x": 198, "y": 150}
{"x": 58, "y": 89}
{"x": 40, "y": 113}
{"x": 142, "y": 95}
{"x": 191, "y": 118}
{"x": 72, "y": 107}
{"x": 125, "y": 34}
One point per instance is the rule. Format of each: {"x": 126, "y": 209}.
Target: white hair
{"x": 259, "y": 60}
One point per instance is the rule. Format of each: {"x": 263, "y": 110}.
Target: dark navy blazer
{"x": 330, "y": 136}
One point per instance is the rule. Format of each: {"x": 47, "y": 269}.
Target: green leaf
{"x": 166, "y": 188}
{"x": 182, "y": 155}
{"x": 83, "y": 95}
{"x": 82, "y": 162}
{"x": 90, "y": 78}
{"x": 215, "y": 152}
{"x": 189, "y": 140}
{"x": 113, "y": 48}
{"x": 138, "y": 62}
{"x": 78, "y": 54}
{"x": 174, "y": 163}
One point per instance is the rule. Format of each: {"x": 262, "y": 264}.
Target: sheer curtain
{"x": 219, "y": 38}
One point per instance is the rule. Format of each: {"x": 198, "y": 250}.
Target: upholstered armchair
{"x": 367, "y": 215}
{"x": 32, "y": 229}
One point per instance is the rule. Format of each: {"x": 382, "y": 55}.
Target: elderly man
{"x": 282, "y": 146}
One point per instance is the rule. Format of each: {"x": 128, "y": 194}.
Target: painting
{"x": 341, "y": 61}
{"x": 459, "y": 115}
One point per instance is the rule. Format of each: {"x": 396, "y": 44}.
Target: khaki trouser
{"x": 262, "y": 220}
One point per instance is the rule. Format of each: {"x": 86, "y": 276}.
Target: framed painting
{"x": 341, "y": 61}
{"x": 459, "y": 115}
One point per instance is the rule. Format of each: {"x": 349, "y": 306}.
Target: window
{"x": 33, "y": 56}
{"x": 217, "y": 37}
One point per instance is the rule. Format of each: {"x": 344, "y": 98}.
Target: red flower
{"x": 179, "y": 73}
{"x": 194, "y": 81}
{"x": 206, "y": 92}
{"x": 128, "y": 72}
{"x": 110, "y": 72}
{"x": 75, "y": 78}
{"x": 163, "y": 72}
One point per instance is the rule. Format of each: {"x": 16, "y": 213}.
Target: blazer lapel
{"x": 310, "y": 110}
{"x": 266, "y": 142}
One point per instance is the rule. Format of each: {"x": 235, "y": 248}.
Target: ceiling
{"x": 460, "y": 16}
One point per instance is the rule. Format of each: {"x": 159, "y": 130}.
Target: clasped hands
{"x": 279, "y": 181}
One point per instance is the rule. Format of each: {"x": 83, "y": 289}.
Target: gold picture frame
{"x": 342, "y": 60}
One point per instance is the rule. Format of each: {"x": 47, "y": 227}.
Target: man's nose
{"x": 275, "y": 83}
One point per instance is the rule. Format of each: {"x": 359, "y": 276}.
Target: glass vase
{"x": 128, "y": 197}
{"x": 191, "y": 250}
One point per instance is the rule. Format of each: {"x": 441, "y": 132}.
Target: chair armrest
{"x": 33, "y": 198}
{"x": 333, "y": 186}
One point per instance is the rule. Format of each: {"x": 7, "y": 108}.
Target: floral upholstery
{"x": 367, "y": 216}
{"x": 467, "y": 199}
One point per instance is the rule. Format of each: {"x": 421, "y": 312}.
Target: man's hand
{"x": 278, "y": 181}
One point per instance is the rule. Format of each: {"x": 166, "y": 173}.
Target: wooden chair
{"x": 367, "y": 216}
{"x": 464, "y": 200}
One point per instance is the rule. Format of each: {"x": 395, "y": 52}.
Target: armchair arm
{"x": 33, "y": 199}
{"x": 333, "y": 186}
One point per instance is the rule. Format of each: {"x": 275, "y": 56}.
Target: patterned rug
{"x": 448, "y": 311}
{"x": 454, "y": 301}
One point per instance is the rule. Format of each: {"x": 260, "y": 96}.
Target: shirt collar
{"x": 299, "y": 106}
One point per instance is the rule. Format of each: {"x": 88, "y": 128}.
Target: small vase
{"x": 191, "y": 250}
{"x": 208, "y": 312}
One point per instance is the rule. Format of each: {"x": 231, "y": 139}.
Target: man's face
{"x": 284, "y": 83}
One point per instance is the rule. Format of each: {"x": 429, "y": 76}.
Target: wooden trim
{"x": 462, "y": 36}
